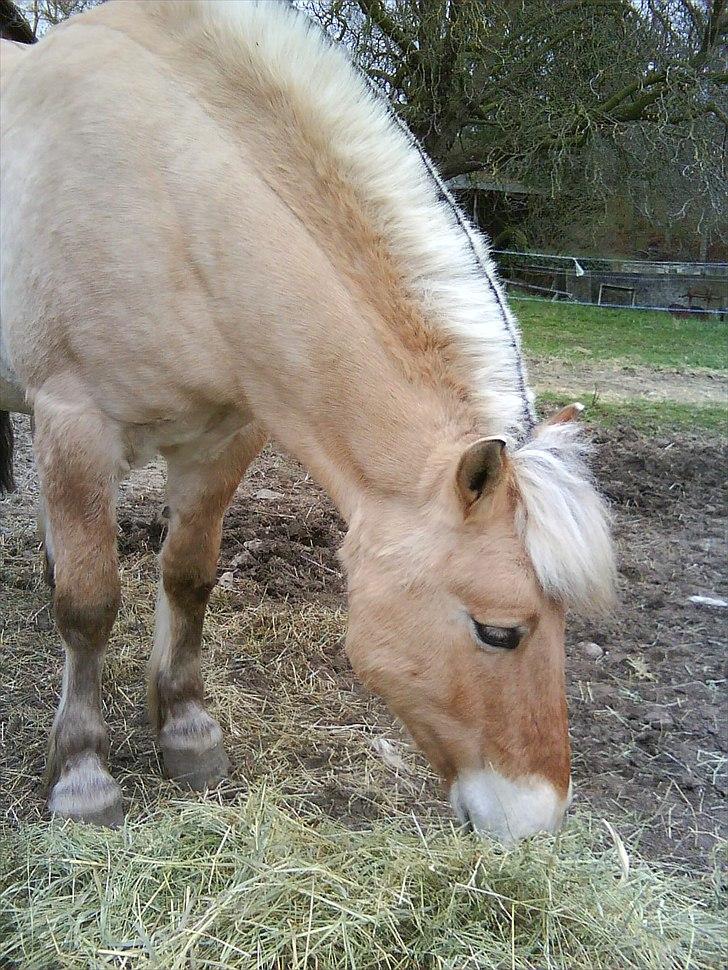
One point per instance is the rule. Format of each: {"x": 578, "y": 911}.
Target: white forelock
{"x": 563, "y": 519}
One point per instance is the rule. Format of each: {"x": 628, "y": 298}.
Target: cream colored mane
{"x": 443, "y": 258}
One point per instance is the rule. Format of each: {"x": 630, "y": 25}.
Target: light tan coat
{"x": 201, "y": 248}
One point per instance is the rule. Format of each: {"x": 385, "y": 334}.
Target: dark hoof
{"x": 86, "y": 792}
{"x": 196, "y": 770}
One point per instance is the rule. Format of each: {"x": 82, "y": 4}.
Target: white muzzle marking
{"x": 507, "y": 810}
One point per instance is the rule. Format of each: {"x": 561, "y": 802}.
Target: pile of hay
{"x": 306, "y": 857}
{"x": 253, "y": 885}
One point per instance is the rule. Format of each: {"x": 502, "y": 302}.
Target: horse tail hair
{"x": 7, "y": 481}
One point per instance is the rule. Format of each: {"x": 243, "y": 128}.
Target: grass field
{"x": 638, "y": 336}
{"x": 648, "y": 416}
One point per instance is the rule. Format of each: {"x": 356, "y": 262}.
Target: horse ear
{"x": 570, "y": 413}
{"x": 479, "y": 470}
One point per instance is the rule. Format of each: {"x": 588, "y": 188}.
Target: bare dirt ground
{"x": 648, "y": 714}
{"x": 613, "y": 381}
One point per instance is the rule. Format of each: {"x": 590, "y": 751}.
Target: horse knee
{"x": 188, "y": 593}
{"x": 188, "y": 574}
{"x": 85, "y": 622}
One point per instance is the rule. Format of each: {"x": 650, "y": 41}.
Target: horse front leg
{"x": 199, "y": 492}
{"x": 44, "y": 529}
{"x": 78, "y": 456}
{"x": 46, "y": 538}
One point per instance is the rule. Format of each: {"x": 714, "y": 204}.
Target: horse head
{"x": 457, "y": 613}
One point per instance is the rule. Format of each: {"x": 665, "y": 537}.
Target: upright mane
{"x": 444, "y": 259}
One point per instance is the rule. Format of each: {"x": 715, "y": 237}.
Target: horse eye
{"x": 504, "y": 637}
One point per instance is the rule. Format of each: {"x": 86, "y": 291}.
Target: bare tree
{"x": 42, "y": 14}
{"x": 555, "y": 92}
{"x": 575, "y": 98}
{"x": 13, "y": 25}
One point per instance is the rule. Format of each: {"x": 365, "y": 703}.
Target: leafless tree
{"x": 557, "y": 93}
{"x": 13, "y": 25}
{"x": 42, "y": 14}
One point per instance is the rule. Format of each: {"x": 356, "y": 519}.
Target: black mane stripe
{"x": 446, "y": 196}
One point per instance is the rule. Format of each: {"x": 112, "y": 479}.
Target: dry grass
{"x": 255, "y": 885}
{"x": 309, "y": 856}
{"x": 277, "y": 681}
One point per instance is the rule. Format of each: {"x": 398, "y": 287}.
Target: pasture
{"x": 330, "y": 845}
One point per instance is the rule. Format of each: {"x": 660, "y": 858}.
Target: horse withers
{"x": 213, "y": 231}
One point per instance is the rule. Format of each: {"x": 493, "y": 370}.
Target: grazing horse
{"x": 214, "y": 231}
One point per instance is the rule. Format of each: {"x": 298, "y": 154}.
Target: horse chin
{"x": 507, "y": 810}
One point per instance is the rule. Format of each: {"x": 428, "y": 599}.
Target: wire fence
{"x": 680, "y": 288}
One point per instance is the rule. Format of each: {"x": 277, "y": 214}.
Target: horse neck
{"x": 370, "y": 418}
{"x": 344, "y": 371}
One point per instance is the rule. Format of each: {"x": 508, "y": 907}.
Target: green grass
{"x": 258, "y": 886}
{"x": 638, "y": 336}
{"x": 647, "y": 416}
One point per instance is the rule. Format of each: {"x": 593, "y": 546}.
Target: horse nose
{"x": 508, "y": 809}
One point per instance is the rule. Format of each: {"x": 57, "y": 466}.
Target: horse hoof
{"x": 196, "y": 769}
{"x": 86, "y": 792}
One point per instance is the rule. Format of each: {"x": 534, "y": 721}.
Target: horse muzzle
{"x": 508, "y": 810}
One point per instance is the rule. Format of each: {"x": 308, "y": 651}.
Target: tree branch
{"x": 713, "y": 26}
{"x": 712, "y": 108}
{"x": 564, "y": 8}
{"x": 377, "y": 13}
{"x": 13, "y": 24}
{"x": 458, "y": 165}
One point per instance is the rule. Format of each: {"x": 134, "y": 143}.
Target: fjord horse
{"x": 213, "y": 231}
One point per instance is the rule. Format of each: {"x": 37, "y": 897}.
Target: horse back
{"x": 11, "y": 54}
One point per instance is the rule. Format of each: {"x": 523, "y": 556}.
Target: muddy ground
{"x": 648, "y": 712}
{"x": 612, "y": 381}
